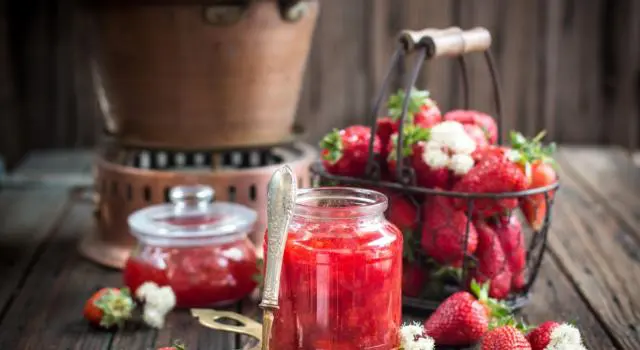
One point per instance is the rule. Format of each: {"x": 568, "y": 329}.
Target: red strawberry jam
{"x": 342, "y": 272}
{"x": 198, "y": 248}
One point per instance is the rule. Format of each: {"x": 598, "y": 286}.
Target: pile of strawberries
{"x": 452, "y": 154}
{"x": 465, "y": 318}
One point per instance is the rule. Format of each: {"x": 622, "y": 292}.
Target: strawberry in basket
{"x": 543, "y": 174}
{"x": 438, "y": 155}
{"x": 482, "y": 127}
{"x": 345, "y": 152}
{"x": 422, "y": 111}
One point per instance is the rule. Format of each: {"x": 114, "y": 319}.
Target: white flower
{"x": 413, "y": 338}
{"x": 153, "y": 318}
{"x": 450, "y": 147}
{"x": 411, "y": 331}
{"x": 565, "y": 337}
{"x": 461, "y": 163}
{"x": 158, "y": 301}
{"x": 435, "y": 157}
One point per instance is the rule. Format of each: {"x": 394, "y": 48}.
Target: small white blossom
{"x": 158, "y": 302}
{"x": 153, "y": 317}
{"x": 436, "y": 158}
{"x": 461, "y": 164}
{"x": 565, "y": 337}
{"x": 412, "y": 338}
{"x": 450, "y": 147}
{"x": 411, "y": 331}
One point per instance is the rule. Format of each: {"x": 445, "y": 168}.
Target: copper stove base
{"x": 128, "y": 179}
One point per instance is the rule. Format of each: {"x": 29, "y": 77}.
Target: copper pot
{"x": 188, "y": 76}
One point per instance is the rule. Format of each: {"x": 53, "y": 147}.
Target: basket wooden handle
{"x": 414, "y": 38}
{"x": 447, "y": 42}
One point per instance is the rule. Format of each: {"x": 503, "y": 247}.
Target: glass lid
{"x": 191, "y": 216}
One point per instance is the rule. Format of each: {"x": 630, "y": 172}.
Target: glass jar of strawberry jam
{"x": 199, "y": 248}
{"x": 341, "y": 277}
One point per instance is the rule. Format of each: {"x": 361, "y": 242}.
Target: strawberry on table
{"x": 554, "y": 335}
{"x": 109, "y": 308}
{"x": 505, "y": 338}
{"x": 463, "y": 318}
{"x": 444, "y": 231}
{"x": 345, "y": 152}
{"x": 470, "y": 117}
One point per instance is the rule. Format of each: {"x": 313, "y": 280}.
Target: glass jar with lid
{"x": 341, "y": 279}
{"x": 199, "y": 248}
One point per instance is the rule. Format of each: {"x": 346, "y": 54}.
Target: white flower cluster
{"x": 412, "y": 338}
{"x": 158, "y": 301}
{"x": 565, "y": 337}
{"x": 450, "y": 147}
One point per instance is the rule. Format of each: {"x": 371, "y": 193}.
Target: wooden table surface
{"x": 591, "y": 274}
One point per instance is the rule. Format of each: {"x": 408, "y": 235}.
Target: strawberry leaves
{"x": 332, "y": 146}
{"x": 412, "y": 135}
{"x": 532, "y": 150}
{"x": 417, "y": 99}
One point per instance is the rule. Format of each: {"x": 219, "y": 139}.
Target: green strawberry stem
{"x": 500, "y": 312}
{"x": 116, "y": 306}
{"x": 417, "y": 98}
{"x": 529, "y": 151}
{"x": 412, "y": 134}
{"x": 332, "y": 143}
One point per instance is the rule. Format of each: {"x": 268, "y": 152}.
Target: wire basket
{"x": 429, "y": 276}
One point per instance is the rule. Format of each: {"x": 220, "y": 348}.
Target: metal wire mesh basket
{"x": 491, "y": 220}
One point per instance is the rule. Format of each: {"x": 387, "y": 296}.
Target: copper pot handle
{"x": 447, "y": 42}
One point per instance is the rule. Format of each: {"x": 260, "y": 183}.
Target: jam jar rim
{"x": 144, "y": 225}
{"x": 371, "y": 202}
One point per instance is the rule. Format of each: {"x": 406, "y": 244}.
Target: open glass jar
{"x": 341, "y": 277}
{"x": 199, "y": 248}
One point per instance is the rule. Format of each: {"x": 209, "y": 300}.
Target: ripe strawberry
{"x": 402, "y": 212}
{"x": 540, "y": 337}
{"x": 414, "y": 279}
{"x": 109, "y": 307}
{"x": 491, "y": 264}
{"x": 543, "y": 174}
{"x": 413, "y": 150}
{"x": 443, "y": 232}
{"x": 534, "y": 207}
{"x": 556, "y": 335}
{"x": 345, "y": 152}
{"x": 463, "y": 319}
{"x": 492, "y": 175}
{"x": 385, "y": 127}
{"x": 422, "y": 110}
{"x": 504, "y": 338}
{"x": 478, "y": 135}
{"x": 512, "y": 241}
{"x": 482, "y": 120}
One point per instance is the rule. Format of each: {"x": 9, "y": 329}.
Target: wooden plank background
{"x": 571, "y": 67}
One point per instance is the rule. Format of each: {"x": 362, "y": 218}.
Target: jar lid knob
{"x": 191, "y": 194}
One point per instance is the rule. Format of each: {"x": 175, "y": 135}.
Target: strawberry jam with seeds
{"x": 198, "y": 248}
{"x": 340, "y": 286}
